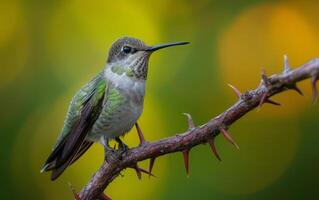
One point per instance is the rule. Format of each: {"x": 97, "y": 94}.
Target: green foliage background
{"x": 48, "y": 49}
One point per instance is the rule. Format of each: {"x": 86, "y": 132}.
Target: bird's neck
{"x": 124, "y": 78}
{"x": 134, "y": 66}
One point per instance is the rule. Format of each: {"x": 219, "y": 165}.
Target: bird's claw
{"x": 122, "y": 148}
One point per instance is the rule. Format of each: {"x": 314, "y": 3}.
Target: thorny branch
{"x": 205, "y": 133}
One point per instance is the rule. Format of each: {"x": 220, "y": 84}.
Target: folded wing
{"x": 83, "y": 111}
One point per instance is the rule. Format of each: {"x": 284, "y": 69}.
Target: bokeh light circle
{"x": 257, "y": 39}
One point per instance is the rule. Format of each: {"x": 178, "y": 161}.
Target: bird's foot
{"x": 109, "y": 153}
{"x": 122, "y": 147}
{"x": 107, "y": 149}
{"x": 113, "y": 154}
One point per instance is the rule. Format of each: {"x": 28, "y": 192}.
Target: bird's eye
{"x": 127, "y": 49}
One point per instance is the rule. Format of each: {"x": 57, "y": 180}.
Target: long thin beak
{"x": 161, "y": 46}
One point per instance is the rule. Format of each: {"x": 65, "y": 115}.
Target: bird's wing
{"x": 83, "y": 111}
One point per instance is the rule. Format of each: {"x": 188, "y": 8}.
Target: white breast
{"x": 127, "y": 114}
{"x": 124, "y": 82}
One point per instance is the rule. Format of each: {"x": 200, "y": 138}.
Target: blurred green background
{"x": 49, "y": 49}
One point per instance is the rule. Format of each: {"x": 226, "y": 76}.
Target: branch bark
{"x": 205, "y": 133}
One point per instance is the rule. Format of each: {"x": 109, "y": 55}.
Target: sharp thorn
{"x": 228, "y": 137}
{"x": 295, "y": 87}
{"x": 140, "y": 134}
{"x": 314, "y": 89}
{"x": 264, "y": 77}
{"x": 263, "y": 99}
{"x": 138, "y": 172}
{"x": 190, "y": 121}
{"x": 104, "y": 197}
{"x": 75, "y": 194}
{"x": 286, "y": 65}
{"x": 152, "y": 161}
{"x": 237, "y": 92}
{"x": 272, "y": 102}
{"x": 213, "y": 148}
{"x": 146, "y": 172}
{"x": 186, "y": 161}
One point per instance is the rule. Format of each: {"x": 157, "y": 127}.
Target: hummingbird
{"x": 107, "y": 107}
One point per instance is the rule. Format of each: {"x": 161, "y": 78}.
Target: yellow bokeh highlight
{"x": 258, "y": 39}
{"x": 10, "y": 20}
{"x": 13, "y": 31}
{"x": 40, "y": 132}
{"x": 81, "y": 33}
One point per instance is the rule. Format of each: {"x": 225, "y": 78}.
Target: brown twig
{"x": 207, "y": 132}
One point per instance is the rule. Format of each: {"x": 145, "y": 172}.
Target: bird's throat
{"x": 124, "y": 78}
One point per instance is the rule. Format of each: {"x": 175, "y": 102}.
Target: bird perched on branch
{"x": 107, "y": 107}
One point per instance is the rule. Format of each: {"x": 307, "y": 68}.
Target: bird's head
{"x": 129, "y": 54}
